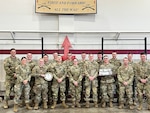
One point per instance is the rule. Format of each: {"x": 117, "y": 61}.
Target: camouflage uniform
{"x": 75, "y": 74}
{"x": 143, "y": 72}
{"x": 49, "y": 83}
{"x": 41, "y": 85}
{"x": 134, "y": 86}
{"x": 23, "y": 73}
{"x": 117, "y": 64}
{"x": 68, "y": 63}
{"x": 100, "y": 62}
{"x": 59, "y": 72}
{"x": 81, "y": 64}
{"x": 9, "y": 66}
{"x": 107, "y": 85}
{"x": 91, "y": 70}
{"x": 125, "y": 74}
{"x": 32, "y": 64}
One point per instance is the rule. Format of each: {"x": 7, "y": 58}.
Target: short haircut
{"x": 143, "y": 53}
{"x": 99, "y": 53}
{"x": 45, "y": 55}
{"x": 12, "y": 49}
{"x": 23, "y": 58}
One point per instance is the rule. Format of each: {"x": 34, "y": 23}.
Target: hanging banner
{"x": 66, "y": 6}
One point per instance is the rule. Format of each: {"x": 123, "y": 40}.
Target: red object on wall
{"x": 66, "y": 45}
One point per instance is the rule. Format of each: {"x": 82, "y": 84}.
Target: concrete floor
{"x": 60, "y": 109}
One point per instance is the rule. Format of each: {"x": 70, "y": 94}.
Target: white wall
{"x": 112, "y": 15}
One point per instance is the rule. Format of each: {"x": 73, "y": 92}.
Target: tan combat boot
{"x": 54, "y": 105}
{"x": 140, "y": 107}
{"x": 32, "y": 103}
{"x": 121, "y": 105}
{"x": 36, "y": 106}
{"x": 64, "y": 104}
{"x": 45, "y": 105}
{"x": 15, "y": 108}
{"x": 131, "y": 107}
{"x": 78, "y": 104}
{"x": 5, "y": 106}
{"x": 22, "y": 104}
{"x": 87, "y": 104}
{"x": 148, "y": 107}
{"x": 28, "y": 106}
{"x": 103, "y": 104}
{"x": 95, "y": 105}
{"x": 110, "y": 104}
{"x": 73, "y": 104}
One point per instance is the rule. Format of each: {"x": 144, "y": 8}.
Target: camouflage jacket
{"x": 59, "y": 71}
{"x": 37, "y": 72}
{"x": 75, "y": 73}
{"x": 116, "y": 63}
{"x": 91, "y": 68}
{"x": 23, "y": 73}
{"x": 143, "y": 71}
{"x": 125, "y": 74}
{"x": 10, "y": 65}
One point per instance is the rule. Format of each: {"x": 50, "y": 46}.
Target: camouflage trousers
{"x": 55, "y": 89}
{"x": 107, "y": 91}
{"x": 75, "y": 92}
{"x": 41, "y": 93}
{"x": 143, "y": 89}
{"x": 9, "y": 86}
{"x": 91, "y": 85}
{"x": 50, "y": 96}
{"x": 19, "y": 90}
{"x": 125, "y": 90}
{"x": 32, "y": 82}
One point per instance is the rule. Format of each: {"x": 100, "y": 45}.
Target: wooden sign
{"x": 66, "y": 6}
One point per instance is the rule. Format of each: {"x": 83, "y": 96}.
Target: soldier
{"x": 68, "y": 62}
{"x": 48, "y": 62}
{"x": 81, "y": 64}
{"x": 99, "y": 60}
{"x": 10, "y": 64}
{"x": 107, "y": 82}
{"x": 41, "y": 85}
{"x": 91, "y": 72}
{"x": 125, "y": 79}
{"x": 143, "y": 81}
{"x": 59, "y": 74}
{"x": 23, "y": 77}
{"x": 31, "y": 64}
{"x": 134, "y": 86}
{"x": 75, "y": 74}
{"x": 117, "y": 63}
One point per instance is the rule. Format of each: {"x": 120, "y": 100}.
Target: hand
{"x": 91, "y": 78}
{"x": 125, "y": 83}
{"x": 143, "y": 81}
{"x": 25, "y": 82}
{"x": 42, "y": 75}
{"x": 75, "y": 83}
{"x": 59, "y": 80}
{"x": 15, "y": 75}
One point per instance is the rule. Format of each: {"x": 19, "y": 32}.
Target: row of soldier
{"x": 20, "y": 74}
